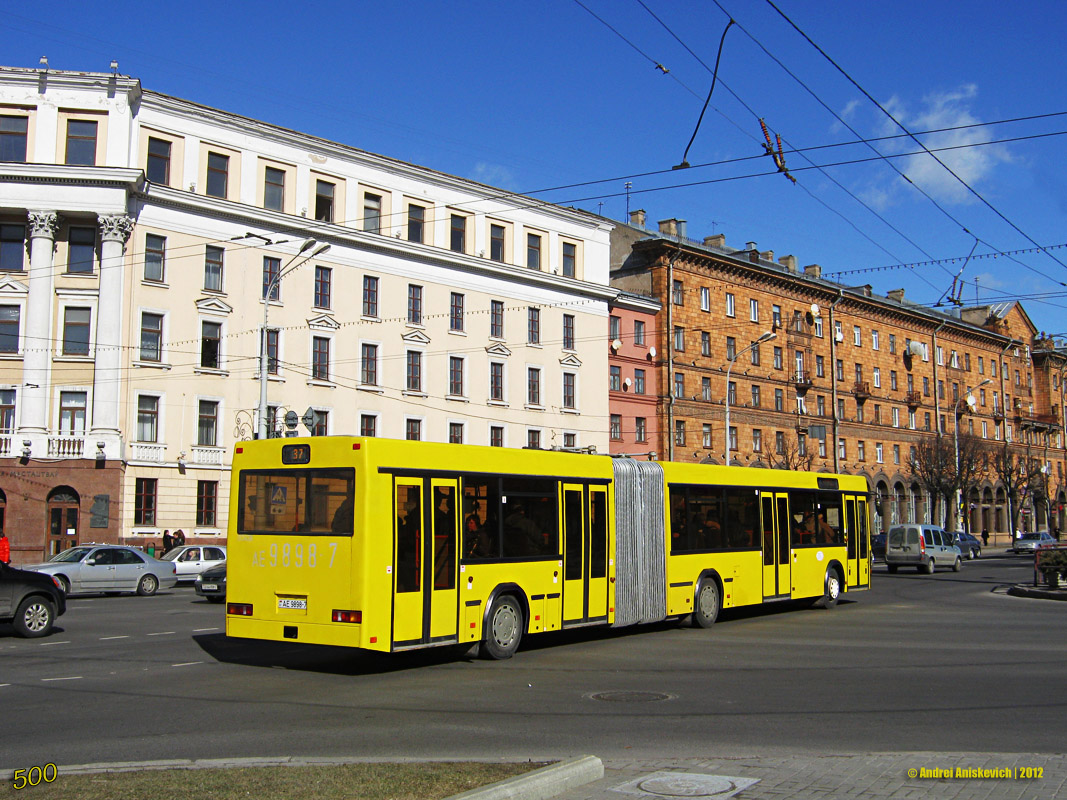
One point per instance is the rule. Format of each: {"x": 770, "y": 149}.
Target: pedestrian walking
{"x": 168, "y": 542}
{"x": 985, "y": 537}
{"x": 5, "y": 548}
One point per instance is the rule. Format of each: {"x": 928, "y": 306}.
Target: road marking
{"x": 71, "y": 678}
{"x": 187, "y": 664}
{"x": 49, "y": 644}
{"x": 2, "y": 685}
{"x": 108, "y": 638}
{"x": 161, "y": 633}
{"x": 201, "y": 630}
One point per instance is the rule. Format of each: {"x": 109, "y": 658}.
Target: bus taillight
{"x": 347, "y": 616}
{"x": 239, "y": 609}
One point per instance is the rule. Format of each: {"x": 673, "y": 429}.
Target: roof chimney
{"x": 767, "y": 255}
{"x": 789, "y": 262}
{"x": 750, "y": 245}
{"x": 637, "y": 218}
{"x": 718, "y": 240}
{"x": 683, "y": 229}
{"x": 669, "y": 226}
{"x": 896, "y": 294}
{"x": 814, "y": 270}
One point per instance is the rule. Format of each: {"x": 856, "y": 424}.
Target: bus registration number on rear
{"x": 299, "y": 603}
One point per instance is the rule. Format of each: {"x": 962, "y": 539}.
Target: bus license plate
{"x": 299, "y": 603}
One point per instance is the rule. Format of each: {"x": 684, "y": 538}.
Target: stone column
{"x": 114, "y": 232}
{"x": 37, "y": 332}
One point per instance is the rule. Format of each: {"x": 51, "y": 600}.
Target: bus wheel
{"x": 707, "y": 605}
{"x": 832, "y": 588}
{"x": 505, "y": 629}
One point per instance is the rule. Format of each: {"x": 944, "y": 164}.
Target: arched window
{"x": 63, "y": 505}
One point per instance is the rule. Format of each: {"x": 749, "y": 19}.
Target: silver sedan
{"x": 108, "y": 568}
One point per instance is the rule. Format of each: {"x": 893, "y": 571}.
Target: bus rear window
{"x": 302, "y": 501}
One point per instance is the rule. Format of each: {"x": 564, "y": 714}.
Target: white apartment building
{"x": 145, "y": 239}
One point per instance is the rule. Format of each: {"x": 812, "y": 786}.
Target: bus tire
{"x": 504, "y": 628}
{"x": 831, "y": 588}
{"x": 707, "y": 604}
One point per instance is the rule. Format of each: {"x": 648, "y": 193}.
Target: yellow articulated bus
{"x": 391, "y": 545}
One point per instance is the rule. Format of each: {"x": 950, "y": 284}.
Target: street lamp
{"x": 308, "y": 250}
{"x": 970, "y": 400}
{"x": 766, "y": 337}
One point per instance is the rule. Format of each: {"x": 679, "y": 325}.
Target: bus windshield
{"x": 306, "y": 501}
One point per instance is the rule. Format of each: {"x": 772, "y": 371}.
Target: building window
{"x": 272, "y": 336}
{"x": 570, "y": 252}
{"x": 705, "y": 389}
{"x": 210, "y": 345}
{"x": 455, "y": 376}
{"x": 615, "y": 427}
{"x": 679, "y": 432}
{"x": 639, "y": 332}
{"x": 496, "y": 381}
{"x": 679, "y": 384}
{"x": 820, "y": 367}
{"x": 802, "y": 444}
{"x": 756, "y": 398}
{"x": 639, "y": 381}
{"x": 568, "y": 331}
{"x": 144, "y": 501}
{"x": 218, "y": 174}
{"x": 779, "y": 400}
{"x": 368, "y": 425}
{"x": 533, "y": 251}
{"x": 614, "y": 328}
{"x": 779, "y": 443}
{"x": 754, "y": 355}
{"x": 731, "y": 392}
{"x": 679, "y": 338}
{"x": 12, "y": 247}
{"x": 458, "y": 234}
{"x": 81, "y": 250}
{"x": 818, "y": 327}
{"x": 455, "y": 312}
{"x": 413, "y": 430}
{"x": 496, "y": 436}
{"x": 414, "y": 371}
{"x": 323, "y": 287}
{"x": 533, "y": 327}
{"x": 157, "y": 169}
{"x": 753, "y": 310}
{"x": 76, "y": 331}
{"x": 677, "y": 293}
{"x": 271, "y": 284}
{"x": 496, "y": 242}
{"x": 213, "y": 262}
{"x": 81, "y": 142}
{"x": 151, "y": 337}
{"x": 733, "y": 440}
{"x": 857, "y": 336}
{"x": 414, "y": 304}
{"x": 370, "y": 296}
{"x": 640, "y": 429}
{"x": 731, "y": 348}
{"x": 778, "y": 358}
{"x": 147, "y": 418}
{"x": 368, "y": 365}
{"x": 324, "y": 191}
{"x": 496, "y": 319}
{"x": 705, "y": 298}
{"x": 570, "y": 441}
{"x": 569, "y": 393}
{"x": 757, "y": 440}
{"x": 207, "y": 423}
{"x": 877, "y": 377}
{"x": 842, "y": 449}
{"x": 273, "y": 188}
{"x": 207, "y": 497}
{"x": 896, "y": 454}
{"x": 320, "y": 358}
{"x": 879, "y": 453}
{"x": 416, "y": 223}
{"x": 861, "y": 450}
{"x": 839, "y": 368}
{"x": 533, "y": 386}
{"x": 13, "y": 139}
{"x": 874, "y": 340}
{"x": 533, "y": 439}
{"x": 155, "y": 248}
{"x": 321, "y": 424}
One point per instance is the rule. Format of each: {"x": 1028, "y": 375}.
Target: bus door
{"x": 598, "y": 553}
{"x": 424, "y": 562}
{"x": 776, "y": 566}
{"x": 575, "y": 549}
{"x": 863, "y": 535}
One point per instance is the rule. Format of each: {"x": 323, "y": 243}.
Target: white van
{"x": 924, "y": 547}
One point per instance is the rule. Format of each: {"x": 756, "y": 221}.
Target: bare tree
{"x": 934, "y": 467}
{"x": 792, "y": 457}
{"x": 974, "y": 460}
{"x": 1016, "y": 472}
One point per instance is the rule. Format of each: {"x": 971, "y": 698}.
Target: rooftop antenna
{"x": 629, "y": 185}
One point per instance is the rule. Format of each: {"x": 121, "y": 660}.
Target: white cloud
{"x": 494, "y": 175}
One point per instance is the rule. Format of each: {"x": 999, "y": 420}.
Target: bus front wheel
{"x": 706, "y": 610}
{"x": 832, "y": 588}
{"x": 504, "y": 630}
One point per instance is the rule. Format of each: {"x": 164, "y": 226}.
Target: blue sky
{"x": 529, "y": 96}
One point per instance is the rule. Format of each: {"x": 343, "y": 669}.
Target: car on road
{"x": 924, "y": 547}
{"x": 1029, "y": 542}
{"x": 968, "y": 544}
{"x": 108, "y": 568}
{"x": 878, "y": 545}
{"x": 30, "y": 601}
{"x": 191, "y": 559}
{"x": 211, "y": 583}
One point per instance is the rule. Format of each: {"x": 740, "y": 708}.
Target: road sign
{"x": 309, "y": 419}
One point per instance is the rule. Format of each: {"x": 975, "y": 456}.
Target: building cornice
{"x": 132, "y": 179}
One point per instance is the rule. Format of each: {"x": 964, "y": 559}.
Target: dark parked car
{"x": 30, "y": 601}
{"x": 969, "y": 545}
{"x": 878, "y": 545}
{"x": 211, "y": 583}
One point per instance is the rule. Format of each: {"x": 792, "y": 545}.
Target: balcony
{"x": 208, "y": 456}
{"x": 913, "y": 399}
{"x": 802, "y": 380}
{"x": 862, "y": 390}
{"x": 66, "y": 446}
{"x": 147, "y": 451}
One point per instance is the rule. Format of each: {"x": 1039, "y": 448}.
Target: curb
{"x": 540, "y": 784}
{"x": 1037, "y": 593}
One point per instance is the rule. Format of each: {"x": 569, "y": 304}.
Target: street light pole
{"x": 969, "y": 397}
{"x": 308, "y": 250}
{"x": 766, "y": 337}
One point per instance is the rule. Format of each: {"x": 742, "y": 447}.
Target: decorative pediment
{"x": 213, "y": 305}
{"x": 571, "y": 360}
{"x": 323, "y": 322}
{"x": 12, "y": 286}
{"x": 498, "y": 349}
{"x": 416, "y": 337}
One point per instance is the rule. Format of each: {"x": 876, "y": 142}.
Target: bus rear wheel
{"x": 706, "y": 609}
{"x": 504, "y": 629}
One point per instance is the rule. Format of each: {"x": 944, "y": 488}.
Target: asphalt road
{"x": 935, "y": 663}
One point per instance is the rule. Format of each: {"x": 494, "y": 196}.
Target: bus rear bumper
{"x": 276, "y": 630}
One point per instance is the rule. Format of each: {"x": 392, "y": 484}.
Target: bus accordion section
{"x": 393, "y": 545}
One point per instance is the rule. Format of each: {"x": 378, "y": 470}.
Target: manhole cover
{"x": 631, "y": 697}
{"x": 686, "y": 784}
